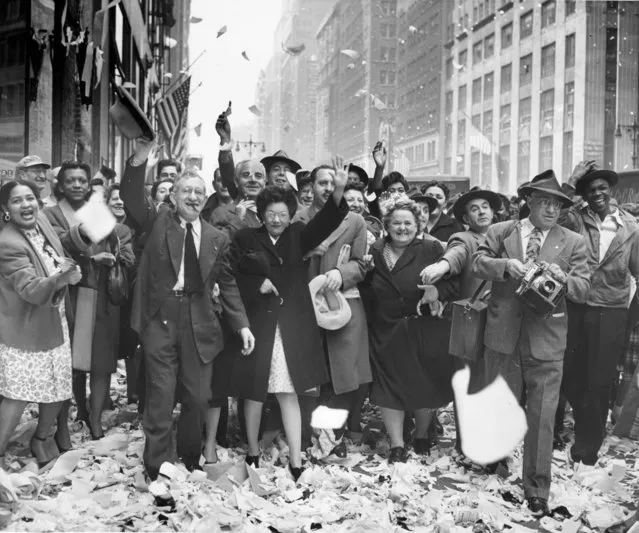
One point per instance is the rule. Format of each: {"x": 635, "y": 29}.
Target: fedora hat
{"x": 420, "y": 198}
{"x": 609, "y": 175}
{"x": 459, "y": 207}
{"x": 331, "y": 309}
{"x": 545, "y": 182}
{"x": 361, "y": 173}
{"x": 280, "y": 155}
{"x": 129, "y": 118}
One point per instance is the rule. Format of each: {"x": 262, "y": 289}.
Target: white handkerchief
{"x": 97, "y": 219}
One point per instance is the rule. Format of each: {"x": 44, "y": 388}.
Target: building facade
{"x": 533, "y": 85}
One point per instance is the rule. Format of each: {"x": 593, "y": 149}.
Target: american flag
{"x": 172, "y": 114}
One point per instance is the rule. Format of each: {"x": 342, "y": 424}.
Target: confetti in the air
{"x": 412, "y": 29}
{"x": 350, "y": 53}
{"x": 255, "y": 110}
{"x": 294, "y": 50}
{"x": 245, "y": 56}
{"x": 221, "y": 31}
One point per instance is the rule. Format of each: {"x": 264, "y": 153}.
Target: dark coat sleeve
{"x": 234, "y": 312}
{"x": 323, "y": 224}
{"x": 138, "y": 205}
{"x": 227, "y": 171}
{"x": 447, "y": 288}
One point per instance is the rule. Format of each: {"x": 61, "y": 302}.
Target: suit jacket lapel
{"x": 512, "y": 244}
{"x": 620, "y": 238}
{"x": 175, "y": 242}
{"x": 208, "y": 250}
{"x": 267, "y": 243}
{"x": 553, "y": 245}
{"x": 407, "y": 257}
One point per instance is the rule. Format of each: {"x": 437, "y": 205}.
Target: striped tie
{"x": 534, "y": 245}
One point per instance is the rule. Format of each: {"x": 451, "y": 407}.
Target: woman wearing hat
{"x": 440, "y": 225}
{"x": 409, "y": 344}
{"x": 272, "y": 277}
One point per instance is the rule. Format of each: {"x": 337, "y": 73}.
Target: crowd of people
{"x": 290, "y": 289}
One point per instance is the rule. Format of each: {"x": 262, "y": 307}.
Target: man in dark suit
{"x": 174, "y": 312}
{"x": 525, "y": 347}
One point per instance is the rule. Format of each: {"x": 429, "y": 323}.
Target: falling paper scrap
{"x": 326, "y": 418}
{"x": 255, "y": 110}
{"x": 377, "y": 103}
{"x": 96, "y": 218}
{"x": 245, "y": 56}
{"x": 350, "y": 53}
{"x": 221, "y": 31}
{"x": 491, "y": 422}
{"x": 294, "y": 50}
{"x": 412, "y": 29}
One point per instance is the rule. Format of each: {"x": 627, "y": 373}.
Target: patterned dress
{"x": 40, "y": 377}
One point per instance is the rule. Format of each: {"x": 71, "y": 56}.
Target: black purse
{"x": 117, "y": 281}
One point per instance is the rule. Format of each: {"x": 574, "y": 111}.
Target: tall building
{"x": 533, "y": 85}
{"x": 418, "y": 54}
{"x": 357, "y": 79}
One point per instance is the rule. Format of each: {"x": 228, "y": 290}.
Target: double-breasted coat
{"x": 255, "y": 258}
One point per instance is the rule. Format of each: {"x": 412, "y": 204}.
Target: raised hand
{"x": 143, "y": 149}
{"x": 581, "y": 169}
{"x": 341, "y": 172}
{"x": 223, "y": 126}
{"x": 379, "y": 154}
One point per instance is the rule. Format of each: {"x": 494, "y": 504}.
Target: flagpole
{"x": 185, "y": 71}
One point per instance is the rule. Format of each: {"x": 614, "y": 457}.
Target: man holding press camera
{"x": 525, "y": 346}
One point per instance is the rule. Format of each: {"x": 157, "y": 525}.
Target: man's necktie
{"x": 534, "y": 245}
{"x": 192, "y": 275}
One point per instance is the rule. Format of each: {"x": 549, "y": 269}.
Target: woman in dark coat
{"x": 273, "y": 280}
{"x": 95, "y": 261}
{"x": 441, "y": 226}
{"x": 409, "y": 344}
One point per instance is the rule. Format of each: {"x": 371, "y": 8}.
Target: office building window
{"x": 448, "y": 139}
{"x": 525, "y": 70}
{"x": 486, "y": 168}
{"x": 461, "y": 165}
{"x": 489, "y": 83}
{"x": 504, "y": 124}
{"x": 507, "y": 35}
{"x": 569, "y": 106}
{"x": 477, "y": 53}
{"x": 463, "y": 60}
{"x": 548, "y": 61}
{"x": 526, "y": 25}
{"x": 475, "y": 158}
{"x": 476, "y": 91}
{"x": 523, "y": 161}
{"x": 461, "y": 136}
{"x": 449, "y": 103}
{"x": 448, "y": 164}
{"x": 461, "y": 101}
{"x": 525, "y": 117}
{"x": 487, "y": 125}
{"x": 419, "y": 153}
{"x": 449, "y": 68}
{"x": 383, "y": 77}
{"x": 476, "y": 122}
{"x": 503, "y": 168}
{"x": 566, "y": 163}
{"x": 570, "y": 50}
{"x": 545, "y": 153}
{"x": 546, "y": 112}
{"x": 388, "y": 7}
{"x": 489, "y": 46}
{"x": 571, "y": 7}
{"x": 548, "y": 12}
{"x": 391, "y": 77}
{"x": 506, "y": 78}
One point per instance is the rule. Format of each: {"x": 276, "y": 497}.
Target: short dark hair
{"x": 357, "y": 186}
{"x": 156, "y": 184}
{"x": 303, "y": 178}
{"x": 114, "y": 187}
{"x": 439, "y": 184}
{"x": 392, "y": 178}
{"x": 96, "y": 181}
{"x": 72, "y": 165}
{"x": 5, "y": 190}
{"x": 162, "y": 163}
{"x": 316, "y": 171}
{"x": 274, "y": 195}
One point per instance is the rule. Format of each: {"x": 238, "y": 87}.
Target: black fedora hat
{"x": 545, "y": 182}
{"x": 420, "y": 198}
{"x": 361, "y": 173}
{"x": 459, "y": 207}
{"x": 280, "y": 155}
{"x": 129, "y": 117}
{"x": 609, "y": 175}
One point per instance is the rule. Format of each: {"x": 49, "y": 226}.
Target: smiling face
{"x": 277, "y": 175}
{"x": 479, "y": 215}
{"x": 22, "y": 207}
{"x": 439, "y": 195}
{"x": 544, "y": 210}
{"x": 323, "y": 186}
{"x": 163, "y": 191}
{"x": 75, "y": 185}
{"x": 37, "y": 175}
{"x": 355, "y": 201}
{"x": 305, "y": 195}
{"x": 396, "y": 188}
{"x": 598, "y": 196}
{"x": 276, "y": 218}
{"x": 251, "y": 179}
{"x": 169, "y": 172}
{"x": 188, "y": 196}
{"x": 116, "y": 205}
{"x": 402, "y": 227}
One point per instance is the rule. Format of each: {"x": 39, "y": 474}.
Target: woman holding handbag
{"x": 35, "y": 350}
{"x": 97, "y": 325}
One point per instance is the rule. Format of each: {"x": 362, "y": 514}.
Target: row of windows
{"x": 11, "y": 100}
{"x": 417, "y": 154}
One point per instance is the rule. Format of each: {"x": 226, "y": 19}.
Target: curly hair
{"x": 274, "y": 195}
{"x": 439, "y": 184}
{"x": 404, "y": 204}
{"x": 392, "y": 178}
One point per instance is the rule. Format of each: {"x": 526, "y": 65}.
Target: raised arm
{"x": 353, "y": 271}
{"x": 487, "y": 261}
{"x": 225, "y": 157}
{"x": 138, "y": 205}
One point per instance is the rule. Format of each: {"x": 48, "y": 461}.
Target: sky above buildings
{"x": 226, "y": 75}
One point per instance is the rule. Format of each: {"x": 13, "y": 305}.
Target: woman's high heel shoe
{"x": 95, "y": 435}
{"x": 44, "y": 450}
{"x": 253, "y": 460}
{"x": 296, "y": 472}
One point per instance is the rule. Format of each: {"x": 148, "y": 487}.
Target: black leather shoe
{"x": 623, "y": 527}
{"x": 423, "y": 446}
{"x": 397, "y": 455}
{"x": 253, "y": 460}
{"x": 538, "y": 507}
{"x": 296, "y": 472}
{"x": 193, "y": 466}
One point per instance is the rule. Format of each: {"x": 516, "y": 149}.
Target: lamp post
{"x": 250, "y": 144}
{"x": 633, "y": 131}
